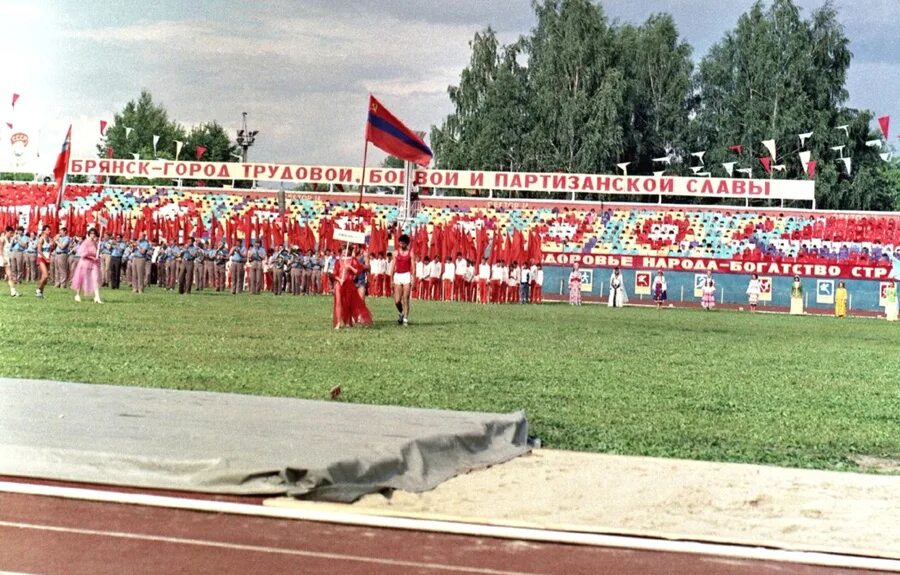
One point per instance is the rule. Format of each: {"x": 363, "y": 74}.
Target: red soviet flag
{"x": 391, "y": 135}
{"x": 62, "y": 165}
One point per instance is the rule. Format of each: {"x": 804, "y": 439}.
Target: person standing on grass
{"x": 524, "y": 284}
{"x": 186, "y": 273}
{"x": 404, "y": 264}
{"x": 617, "y": 295}
{"x": 575, "y": 286}
{"x": 5, "y": 258}
{"x": 45, "y": 250}
{"x": 537, "y": 284}
{"x": 708, "y": 292}
{"x": 660, "y": 289}
{"x": 86, "y": 278}
{"x": 61, "y": 258}
{"x": 349, "y": 308}
{"x": 797, "y": 296}
{"x": 484, "y": 279}
{"x": 237, "y": 256}
{"x": 890, "y": 303}
{"x": 840, "y": 301}
{"x": 753, "y": 290}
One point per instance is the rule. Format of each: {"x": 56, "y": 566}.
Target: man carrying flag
{"x": 62, "y": 167}
{"x": 391, "y": 135}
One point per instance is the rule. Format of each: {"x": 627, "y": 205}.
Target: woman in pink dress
{"x": 575, "y": 286}
{"x": 349, "y": 307}
{"x": 87, "y": 273}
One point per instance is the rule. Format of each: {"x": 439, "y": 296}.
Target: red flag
{"x": 200, "y": 151}
{"x": 737, "y": 148}
{"x": 102, "y": 127}
{"x": 15, "y": 99}
{"x": 811, "y": 169}
{"x": 766, "y": 162}
{"x": 9, "y": 125}
{"x": 390, "y": 134}
{"x": 62, "y": 165}
{"x": 885, "y": 123}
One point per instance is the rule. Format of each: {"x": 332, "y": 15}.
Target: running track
{"x": 50, "y": 535}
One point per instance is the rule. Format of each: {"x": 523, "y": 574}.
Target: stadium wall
{"x": 730, "y": 289}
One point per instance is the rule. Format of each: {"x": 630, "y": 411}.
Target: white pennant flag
{"x": 770, "y": 145}
{"x": 804, "y": 137}
{"x": 696, "y": 169}
{"x": 839, "y": 149}
{"x": 127, "y": 132}
{"x": 779, "y": 168}
{"x": 136, "y": 156}
{"x": 874, "y": 143}
{"x": 155, "y": 141}
{"x": 698, "y": 155}
{"x": 729, "y": 167}
{"x": 748, "y": 171}
{"x": 887, "y": 156}
{"x": 178, "y": 146}
{"x": 659, "y": 173}
{"x": 704, "y": 175}
{"x": 624, "y": 167}
{"x": 845, "y": 127}
{"x": 664, "y": 160}
{"x": 846, "y": 164}
{"x": 804, "y": 159}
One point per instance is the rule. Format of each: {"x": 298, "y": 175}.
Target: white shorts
{"x": 402, "y": 279}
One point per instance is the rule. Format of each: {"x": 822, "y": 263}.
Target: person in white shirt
{"x": 447, "y": 280}
{"x": 497, "y": 284}
{"x": 459, "y": 282}
{"x": 421, "y": 277}
{"x": 387, "y": 274}
{"x": 524, "y": 284}
{"x": 484, "y": 277}
{"x": 435, "y": 279}
{"x": 537, "y": 284}
{"x": 377, "y": 271}
{"x": 512, "y": 283}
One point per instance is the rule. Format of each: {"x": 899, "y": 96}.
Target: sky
{"x": 302, "y": 69}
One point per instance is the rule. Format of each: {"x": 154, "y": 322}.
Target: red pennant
{"x": 737, "y": 148}
{"x": 8, "y": 125}
{"x": 885, "y": 123}
{"x": 102, "y": 127}
{"x": 766, "y": 162}
{"x": 15, "y": 99}
{"x": 200, "y": 151}
{"x": 811, "y": 169}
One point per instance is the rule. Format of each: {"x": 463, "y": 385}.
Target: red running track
{"x": 49, "y": 535}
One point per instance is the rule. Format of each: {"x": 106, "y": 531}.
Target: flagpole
{"x": 362, "y": 186}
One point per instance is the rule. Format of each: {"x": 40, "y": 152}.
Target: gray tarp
{"x": 240, "y": 444}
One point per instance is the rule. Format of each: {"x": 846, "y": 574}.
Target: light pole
{"x": 245, "y": 137}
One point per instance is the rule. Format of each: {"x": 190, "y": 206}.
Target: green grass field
{"x": 725, "y": 386}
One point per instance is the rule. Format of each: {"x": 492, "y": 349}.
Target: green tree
{"x": 219, "y": 148}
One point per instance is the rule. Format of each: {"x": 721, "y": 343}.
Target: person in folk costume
{"x": 617, "y": 295}
{"x": 575, "y": 286}
{"x": 660, "y": 289}
{"x": 708, "y": 292}
{"x": 890, "y": 303}
{"x": 796, "y": 297}
{"x": 44, "y": 249}
{"x": 86, "y": 277}
{"x": 840, "y": 301}
{"x": 753, "y": 290}
{"x": 362, "y": 258}
{"x": 349, "y": 308}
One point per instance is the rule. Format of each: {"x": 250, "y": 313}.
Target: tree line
{"x": 580, "y": 94}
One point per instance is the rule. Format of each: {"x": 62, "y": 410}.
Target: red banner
{"x": 683, "y": 264}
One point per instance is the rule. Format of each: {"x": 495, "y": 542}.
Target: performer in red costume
{"x": 404, "y": 264}
{"x": 349, "y": 307}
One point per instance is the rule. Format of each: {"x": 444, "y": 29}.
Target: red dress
{"x": 349, "y": 308}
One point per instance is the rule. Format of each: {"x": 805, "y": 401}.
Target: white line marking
{"x": 457, "y": 528}
{"x": 257, "y": 548}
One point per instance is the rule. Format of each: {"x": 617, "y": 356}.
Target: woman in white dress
{"x": 753, "y": 291}
{"x": 797, "y": 297}
{"x": 617, "y": 295}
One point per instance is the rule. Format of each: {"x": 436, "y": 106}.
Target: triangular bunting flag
{"x": 199, "y": 151}
{"x": 704, "y": 175}
{"x": 748, "y": 171}
{"x": 698, "y": 155}
{"x": 873, "y": 143}
{"x": 664, "y": 160}
{"x": 659, "y": 173}
{"x": 737, "y": 148}
{"x": 127, "y": 132}
{"x": 155, "y": 142}
{"x": 811, "y": 168}
{"x": 178, "y": 146}
{"x": 729, "y": 167}
{"x": 623, "y": 166}
{"x": 804, "y": 137}
{"x": 839, "y": 149}
{"x": 779, "y": 168}
{"x": 770, "y": 145}
{"x": 766, "y": 164}
{"x": 696, "y": 169}
{"x": 847, "y": 164}
{"x": 885, "y": 123}
{"x": 136, "y": 156}
{"x": 102, "y": 127}
{"x": 15, "y": 99}
{"x": 804, "y": 158}
{"x": 845, "y": 127}
{"x": 887, "y": 156}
